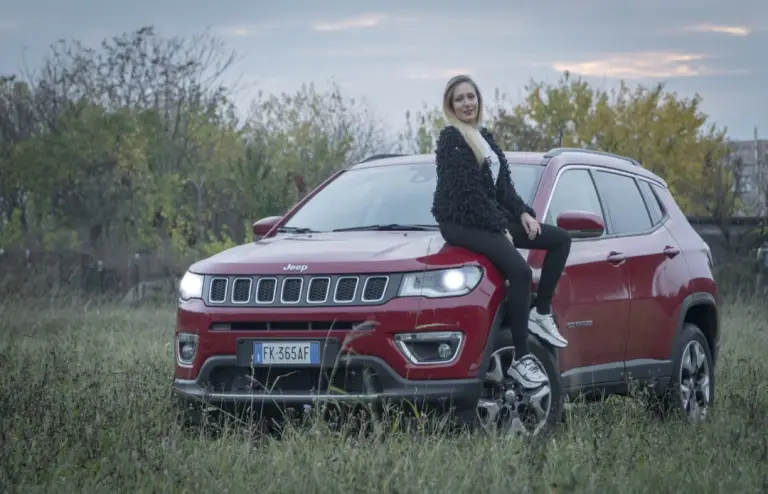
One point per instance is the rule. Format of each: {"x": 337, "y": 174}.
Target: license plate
{"x": 286, "y": 353}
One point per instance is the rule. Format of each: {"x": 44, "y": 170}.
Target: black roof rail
{"x": 381, "y": 157}
{"x": 556, "y": 151}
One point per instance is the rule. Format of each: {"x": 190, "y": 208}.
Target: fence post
{"x": 135, "y": 279}
{"x": 100, "y": 269}
{"x": 762, "y": 258}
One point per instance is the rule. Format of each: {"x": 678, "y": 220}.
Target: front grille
{"x": 300, "y": 290}
{"x": 241, "y": 290}
{"x": 374, "y": 289}
{"x": 346, "y": 288}
{"x": 291, "y": 292}
{"x": 218, "y": 291}
{"x": 318, "y": 290}
{"x": 265, "y": 290}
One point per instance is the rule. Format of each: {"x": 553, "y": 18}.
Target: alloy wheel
{"x": 507, "y": 406}
{"x": 695, "y": 382}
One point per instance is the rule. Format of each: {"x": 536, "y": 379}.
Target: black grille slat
{"x": 345, "y": 289}
{"x": 291, "y": 292}
{"x": 265, "y": 293}
{"x": 318, "y": 290}
{"x": 375, "y": 288}
{"x": 241, "y": 290}
{"x": 218, "y": 292}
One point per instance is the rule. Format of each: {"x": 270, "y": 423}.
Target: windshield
{"x": 386, "y": 195}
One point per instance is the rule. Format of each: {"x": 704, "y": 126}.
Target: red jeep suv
{"x": 353, "y": 296}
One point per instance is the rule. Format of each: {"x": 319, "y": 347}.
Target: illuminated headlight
{"x": 441, "y": 283}
{"x": 191, "y": 286}
{"x": 432, "y": 347}
{"x": 186, "y": 348}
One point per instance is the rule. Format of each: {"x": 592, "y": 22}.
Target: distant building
{"x": 753, "y": 155}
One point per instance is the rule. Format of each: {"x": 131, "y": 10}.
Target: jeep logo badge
{"x": 295, "y": 267}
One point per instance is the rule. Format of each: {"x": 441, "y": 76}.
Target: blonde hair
{"x": 467, "y": 130}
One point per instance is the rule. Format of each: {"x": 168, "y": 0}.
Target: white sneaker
{"x": 528, "y": 372}
{"x": 544, "y": 326}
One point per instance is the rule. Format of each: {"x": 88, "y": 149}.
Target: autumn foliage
{"x": 137, "y": 146}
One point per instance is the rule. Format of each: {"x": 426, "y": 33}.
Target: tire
{"x": 692, "y": 339}
{"x": 548, "y": 356}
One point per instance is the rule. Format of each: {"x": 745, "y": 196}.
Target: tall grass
{"x": 85, "y": 407}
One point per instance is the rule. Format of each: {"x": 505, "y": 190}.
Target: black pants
{"x": 497, "y": 248}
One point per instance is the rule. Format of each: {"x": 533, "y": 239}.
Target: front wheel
{"x": 508, "y": 407}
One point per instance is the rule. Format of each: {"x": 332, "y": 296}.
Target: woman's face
{"x": 465, "y": 103}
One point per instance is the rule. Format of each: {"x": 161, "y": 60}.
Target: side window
{"x": 574, "y": 191}
{"x": 624, "y": 203}
{"x": 654, "y": 205}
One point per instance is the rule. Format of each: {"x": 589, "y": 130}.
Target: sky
{"x": 398, "y": 55}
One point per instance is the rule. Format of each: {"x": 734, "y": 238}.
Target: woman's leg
{"x": 557, "y": 243}
{"x": 497, "y": 248}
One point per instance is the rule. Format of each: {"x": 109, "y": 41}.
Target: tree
{"x": 665, "y": 132}
{"x": 311, "y": 135}
{"x": 421, "y": 136}
{"x": 135, "y": 146}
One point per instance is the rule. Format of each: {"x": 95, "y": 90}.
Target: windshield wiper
{"x": 295, "y": 229}
{"x": 389, "y": 227}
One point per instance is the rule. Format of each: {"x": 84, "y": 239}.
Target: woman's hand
{"x": 532, "y": 227}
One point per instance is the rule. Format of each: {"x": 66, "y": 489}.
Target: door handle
{"x": 616, "y": 257}
{"x": 671, "y": 251}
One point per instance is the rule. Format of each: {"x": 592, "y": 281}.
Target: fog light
{"x": 186, "y": 348}
{"x": 187, "y": 351}
{"x": 439, "y": 347}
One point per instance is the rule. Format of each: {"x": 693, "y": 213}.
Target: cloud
{"x": 640, "y": 65}
{"x": 370, "y": 51}
{"x": 363, "y": 21}
{"x": 250, "y": 30}
{"x": 432, "y": 73}
{"x": 244, "y": 30}
{"x": 741, "y": 31}
{"x": 359, "y": 22}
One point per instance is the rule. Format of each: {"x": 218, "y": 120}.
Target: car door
{"x": 591, "y": 302}
{"x": 654, "y": 264}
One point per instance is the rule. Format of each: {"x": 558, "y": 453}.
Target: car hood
{"x": 336, "y": 252}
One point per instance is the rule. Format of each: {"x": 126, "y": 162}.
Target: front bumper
{"x": 357, "y": 379}
{"x": 362, "y": 366}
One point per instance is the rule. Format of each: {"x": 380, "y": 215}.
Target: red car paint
{"x": 621, "y": 301}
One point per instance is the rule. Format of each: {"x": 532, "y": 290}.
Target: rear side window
{"x": 624, "y": 203}
{"x": 652, "y": 201}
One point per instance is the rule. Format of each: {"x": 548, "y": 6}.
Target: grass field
{"x": 84, "y": 407}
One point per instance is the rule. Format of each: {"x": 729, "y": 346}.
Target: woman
{"x": 477, "y": 208}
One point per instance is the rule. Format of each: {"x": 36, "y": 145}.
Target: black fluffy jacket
{"x": 465, "y": 193}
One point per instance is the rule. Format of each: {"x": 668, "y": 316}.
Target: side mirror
{"x": 581, "y": 224}
{"x": 264, "y": 225}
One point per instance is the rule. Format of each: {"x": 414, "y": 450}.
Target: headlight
{"x": 191, "y": 286}
{"x": 441, "y": 282}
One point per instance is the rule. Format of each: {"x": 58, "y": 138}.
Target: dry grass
{"x": 85, "y": 407}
